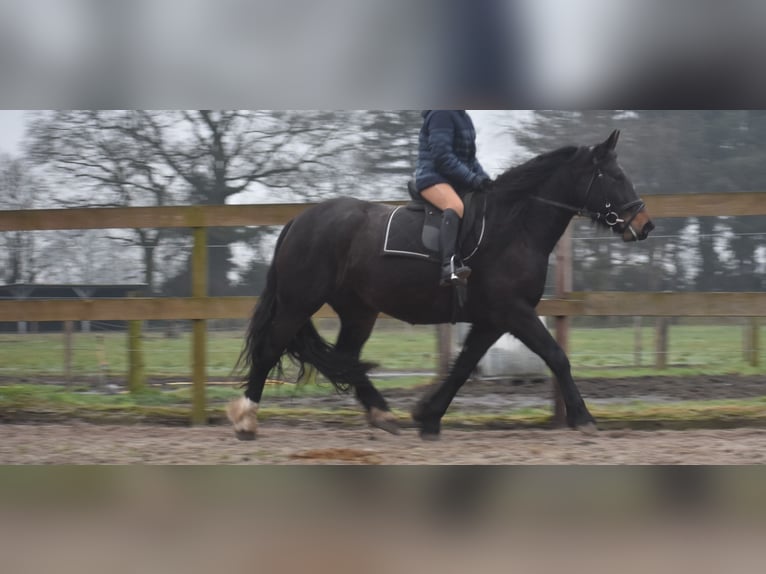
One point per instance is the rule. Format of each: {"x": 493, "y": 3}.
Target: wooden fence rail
{"x": 582, "y": 304}
{"x": 200, "y": 308}
{"x": 683, "y": 205}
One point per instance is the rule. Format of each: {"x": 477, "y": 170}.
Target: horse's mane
{"x": 525, "y": 179}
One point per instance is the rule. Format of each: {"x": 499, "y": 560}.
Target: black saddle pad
{"x": 413, "y": 230}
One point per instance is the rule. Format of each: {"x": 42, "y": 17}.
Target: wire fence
{"x": 100, "y": 355}
{"x": 598, "y": 346}
{"x": 88, "y": 255}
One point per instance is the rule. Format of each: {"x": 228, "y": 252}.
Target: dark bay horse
{"x": 331, "y": 253}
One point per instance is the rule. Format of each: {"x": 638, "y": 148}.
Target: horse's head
{"x": 609, "y": 196}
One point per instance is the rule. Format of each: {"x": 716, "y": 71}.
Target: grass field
{"x": 692, "y": 350}
{"x": 30, "y": 363}
{"x": 711, "y": 349}
{"x": 54, "y": 403}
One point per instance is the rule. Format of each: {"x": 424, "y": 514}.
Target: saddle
{"x": 413, "y": 230}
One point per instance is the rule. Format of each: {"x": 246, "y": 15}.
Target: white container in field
{"x": 509, "y": 357}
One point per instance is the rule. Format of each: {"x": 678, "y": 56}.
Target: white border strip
{"x": 385, "y": 242}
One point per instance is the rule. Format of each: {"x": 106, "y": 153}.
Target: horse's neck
{"x": 538, "y": 224}
{"x": 553, "y": 222}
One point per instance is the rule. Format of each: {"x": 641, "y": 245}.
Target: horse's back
{"x": 344, "y": 207}
{"x": 333, "y": 253}
{"x": 340, "y": 217}
{"x": 328, "y": 229}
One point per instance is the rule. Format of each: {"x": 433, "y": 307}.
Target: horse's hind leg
{"x": 280, "y": 331}
{"x": 357, "y": 322}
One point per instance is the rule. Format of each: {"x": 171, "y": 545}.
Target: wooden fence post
{"x": 68, "y": 328}
{"x": 751, "y": 341}
{"x": 661, "y": 343}
{"x": 101, "y": 358}
{"x": 136, "y": 371}
{"x": 638, "y": 347}
{"x": 199, "y": 327}
{"x": 563, "y": 287}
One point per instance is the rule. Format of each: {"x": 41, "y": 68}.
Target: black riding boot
{"x": 452, "y": 273}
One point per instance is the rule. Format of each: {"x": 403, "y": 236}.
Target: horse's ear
{"x": 601, "y": 150}
{"x": 611, "y": 142}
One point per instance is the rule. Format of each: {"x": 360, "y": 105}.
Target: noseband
{"x": 608, "y": 215}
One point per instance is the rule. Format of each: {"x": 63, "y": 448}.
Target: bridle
{"x": 608, "y": 215}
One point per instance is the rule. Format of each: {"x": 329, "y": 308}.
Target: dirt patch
{"x": 335, "y": 455}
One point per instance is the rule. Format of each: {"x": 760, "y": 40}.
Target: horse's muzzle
{"x": 638, "y": 228}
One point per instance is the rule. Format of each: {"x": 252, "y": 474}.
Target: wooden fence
{"x": 199, "y": 307}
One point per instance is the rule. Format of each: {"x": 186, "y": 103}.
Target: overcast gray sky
{"x": 11, "y": 130}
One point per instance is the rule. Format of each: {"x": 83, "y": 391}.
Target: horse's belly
{"x": 424, "y": 315}
{"x": 404, "y": 288}
{"x": 416, "y": 303}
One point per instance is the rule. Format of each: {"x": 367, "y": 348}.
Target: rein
{"x": 609, "y": 216}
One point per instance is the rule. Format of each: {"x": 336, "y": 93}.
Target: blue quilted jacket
{"x": 447, "y": 151}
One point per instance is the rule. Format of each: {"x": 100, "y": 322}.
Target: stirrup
{"x": 455, "y": 276}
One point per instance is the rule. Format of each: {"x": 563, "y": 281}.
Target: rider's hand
{"x": 483, "y": 184}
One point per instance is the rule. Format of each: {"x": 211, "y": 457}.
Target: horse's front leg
{"x": 528, "y": 328}
{"x": 430, "y": 409}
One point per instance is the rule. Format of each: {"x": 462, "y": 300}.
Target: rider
{"x": 447, "y": 169}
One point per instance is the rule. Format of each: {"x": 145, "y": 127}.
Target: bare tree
{"x": 215, "y": 157}
{"x": 221, "y": 154}
{"x": 18, "y": 190}
{"x": 386, "y": 154}
{"x": 102, "y": 167}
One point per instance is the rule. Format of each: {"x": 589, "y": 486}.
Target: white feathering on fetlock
{"x": 384, "y": 420}
{"x": 242, "y": 414}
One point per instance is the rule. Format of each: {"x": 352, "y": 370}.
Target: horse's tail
{"x": 342, "y": 369}
{"x": 258, "y": 330}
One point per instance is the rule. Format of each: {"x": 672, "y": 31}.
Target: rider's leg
{"x": 445, "y": 198}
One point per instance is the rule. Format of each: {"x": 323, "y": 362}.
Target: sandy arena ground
{"x": 309, "y": 442}
{"x": 81, "y": 443}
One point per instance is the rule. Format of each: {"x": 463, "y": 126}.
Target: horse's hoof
{"x": 242, "y": 414}
{"x": 388, "y": 426}
{"x": 588, "y": 428}
{"x": 245, "y": 435}
{"x": 430, "y": 436}
{"x": 384, "y": 420}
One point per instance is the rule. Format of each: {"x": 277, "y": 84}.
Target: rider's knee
{"x": 458, "y": 208}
